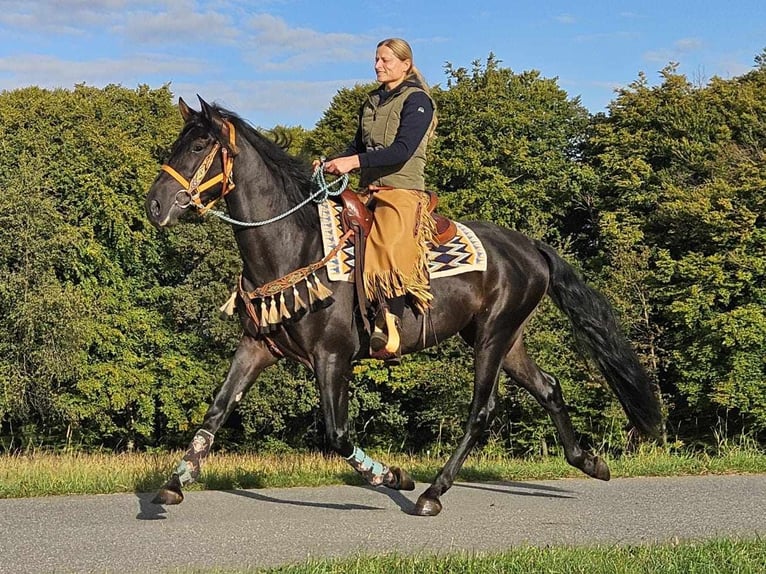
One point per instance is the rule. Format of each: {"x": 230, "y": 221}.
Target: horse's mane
{"x": 294, "y": 172}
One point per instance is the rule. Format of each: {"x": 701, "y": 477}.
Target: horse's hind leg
{"x": 488, "y": 357}
{"x": 250, "y": 359}
{"x": 546, "y": 390}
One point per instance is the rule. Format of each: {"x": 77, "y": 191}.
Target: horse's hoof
{"x": 403, "y": 480}
{"x": 170, "y": 493}
{"x": 601, "y": 469}
{"x": 427, "y": 506}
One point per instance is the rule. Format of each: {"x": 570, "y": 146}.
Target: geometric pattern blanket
{"x": 461, "y": 254}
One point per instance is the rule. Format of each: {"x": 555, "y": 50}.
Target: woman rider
{"x": 395, "y": 124}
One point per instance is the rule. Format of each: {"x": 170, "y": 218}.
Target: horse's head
{"x": 198, "y": 171}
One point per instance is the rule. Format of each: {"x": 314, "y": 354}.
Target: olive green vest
{"x": 379, "y": 124}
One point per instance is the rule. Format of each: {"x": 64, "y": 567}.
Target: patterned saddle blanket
{"x": 461, "y": 254}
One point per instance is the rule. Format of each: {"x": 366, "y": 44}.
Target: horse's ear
{"x": 186, "y": 111}
{"x": 210, "y": 112}
{"x": 221, "y": 126}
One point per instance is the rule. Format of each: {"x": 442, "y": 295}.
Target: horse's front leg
{"x": 333, "y": 376}
{"x": 250, "y": 359}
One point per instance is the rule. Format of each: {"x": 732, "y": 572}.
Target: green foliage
{"x": 505, "y": 148}
{"x": 91, "y": 312}
{"x": 110, "y": 333}
{"x": 337, "y": 126}
{"x": 292, "y": 139}
{"x": 681, "y": 231}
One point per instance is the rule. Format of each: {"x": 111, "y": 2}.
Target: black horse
{"x": 489, "y": 309}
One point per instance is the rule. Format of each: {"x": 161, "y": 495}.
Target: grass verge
{"x": 45, "y": 474}
{"x": 708, "y": 557}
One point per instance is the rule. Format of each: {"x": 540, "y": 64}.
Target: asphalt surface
{"x": 126, "y": 533}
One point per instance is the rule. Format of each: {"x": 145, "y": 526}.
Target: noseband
{"x": 192, "y": 191}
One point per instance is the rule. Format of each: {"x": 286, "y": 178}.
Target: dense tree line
{"x": 110, "y": 333}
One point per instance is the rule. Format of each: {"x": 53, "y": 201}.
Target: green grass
{"x": 44, "y": 474}
{"x": 710, "y": 557}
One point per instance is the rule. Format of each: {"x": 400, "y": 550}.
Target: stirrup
{"x": 392, "y": 328}
{"x": 386, "y": 345}
{"x": 379, "y": 337}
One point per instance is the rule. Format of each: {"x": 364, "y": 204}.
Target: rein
{"x": 322, "y": 193}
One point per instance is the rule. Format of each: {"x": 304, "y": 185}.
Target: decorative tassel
{"x": 283, "y": 312}
{"x": 322, "y": 291}
{"x": 312, "y": 295}
{"x": 299, "y": 304}
{"x": 273, "y": 316}
{"x": 228, "y": 307}
{"x": 264, "y": 315}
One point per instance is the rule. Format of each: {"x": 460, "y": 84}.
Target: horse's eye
{"x": 199, "y": 145}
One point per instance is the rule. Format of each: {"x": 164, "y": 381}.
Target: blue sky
{"x": 281, "y": 61}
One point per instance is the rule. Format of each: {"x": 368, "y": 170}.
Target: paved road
{"x": 126, "y": 533}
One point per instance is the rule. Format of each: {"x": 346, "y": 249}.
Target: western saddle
{"x": 357, "y": 217}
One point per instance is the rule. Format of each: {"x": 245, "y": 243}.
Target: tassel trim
{"x": 264, "y": 298}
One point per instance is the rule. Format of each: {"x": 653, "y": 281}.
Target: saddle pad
{"x": 461, "y": 254}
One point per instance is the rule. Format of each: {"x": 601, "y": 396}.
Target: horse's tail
{"x": 597, "y": 331}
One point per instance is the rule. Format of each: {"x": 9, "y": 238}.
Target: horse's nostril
{"x": 154, "y": 207}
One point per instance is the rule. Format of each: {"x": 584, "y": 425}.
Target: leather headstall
{"x": 193, "y": 189}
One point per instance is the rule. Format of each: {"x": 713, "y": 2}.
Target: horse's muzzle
{"x": 153, "y": 209}
{"x": 157, "y": 213}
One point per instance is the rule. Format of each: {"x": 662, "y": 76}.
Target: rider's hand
{"x": 341, "y": 165}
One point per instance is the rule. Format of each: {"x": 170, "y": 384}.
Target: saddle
{"x": 357, "y": 217}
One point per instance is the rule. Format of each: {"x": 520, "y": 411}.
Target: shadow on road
{"x": 330, "y": 505}
{"x": 148, "y": 510}
{"x": 397, "y": 497}
{"x": 519, "y": 489}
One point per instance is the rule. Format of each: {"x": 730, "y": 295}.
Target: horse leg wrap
{"x": 374, "y": 472}
{"x": 189, "y": 467}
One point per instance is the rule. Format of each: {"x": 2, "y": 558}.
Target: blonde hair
{"x": 403, "y": 51}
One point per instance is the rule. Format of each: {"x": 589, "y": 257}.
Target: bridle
{"x": 191, "y": 192}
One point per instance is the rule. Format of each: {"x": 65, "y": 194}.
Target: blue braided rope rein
{"x": 324, "y": 190}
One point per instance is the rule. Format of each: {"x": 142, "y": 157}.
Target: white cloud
{"x": 731, "y": 67}
{"x": 267, "y": 103}
{"x": 178, "y": 22}
{"x": 276, "y": 46}
{"x": 663, "y": 56}
{"x": 566, "y": 19}
{"x": 685, "y": 45}
{"x": 52, "y": 72}
{"x": 680, "y": 48}
{"x": 69, "y": 17}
